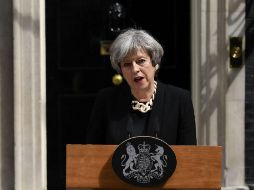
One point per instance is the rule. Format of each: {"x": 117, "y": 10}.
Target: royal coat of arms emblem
{"x": 144, "y": 161}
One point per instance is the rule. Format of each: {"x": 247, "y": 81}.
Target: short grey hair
{"x": 132, "y": 40}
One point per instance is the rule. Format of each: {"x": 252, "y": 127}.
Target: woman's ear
{"x": 119, "y": 71}
{"x": 157, "y": 67}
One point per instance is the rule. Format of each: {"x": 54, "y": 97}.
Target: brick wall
{"x": 249, "y": 99}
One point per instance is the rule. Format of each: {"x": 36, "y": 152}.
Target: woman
{"x": 144, "y": 106}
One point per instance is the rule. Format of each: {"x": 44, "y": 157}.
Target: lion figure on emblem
{"x": 132, "y": 160}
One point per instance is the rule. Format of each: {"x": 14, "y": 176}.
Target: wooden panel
{"x": 89, "y": 166}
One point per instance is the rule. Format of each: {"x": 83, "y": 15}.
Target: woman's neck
{"x": 144, "y": 95}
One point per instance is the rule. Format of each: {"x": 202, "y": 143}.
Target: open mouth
{"x": 138, "y": 79}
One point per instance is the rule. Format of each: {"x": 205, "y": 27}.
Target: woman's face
{"x": 138, "y": 71}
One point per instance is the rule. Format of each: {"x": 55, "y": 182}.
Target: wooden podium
{"x": 89, "y": 167}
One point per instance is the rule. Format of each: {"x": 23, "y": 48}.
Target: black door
{"x": 77, "y": 32}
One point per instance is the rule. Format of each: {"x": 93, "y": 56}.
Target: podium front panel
{"x": 89, "y": 166}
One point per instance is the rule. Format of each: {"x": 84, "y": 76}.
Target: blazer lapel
{"x": 155, "y": 119}
{"x": 127, "y": 120}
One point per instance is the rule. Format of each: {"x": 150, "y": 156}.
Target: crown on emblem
{"x": 144, "y": 148}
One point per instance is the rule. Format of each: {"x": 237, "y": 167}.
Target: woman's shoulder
{"x": 172, "y": 89}
{"x": 106, "y": 90}
{"x": 112, "y": 91}
{"x": 178, "y": 95}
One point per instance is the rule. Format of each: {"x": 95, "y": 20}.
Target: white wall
{"x": 29, "y": 94}
{"x": 218, "y": 90}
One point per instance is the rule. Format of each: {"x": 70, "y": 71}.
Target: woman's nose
{"x": 135, "y": 67}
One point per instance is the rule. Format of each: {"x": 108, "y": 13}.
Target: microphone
{"x": 129, "y": 124}
{"x": 156, "y": 126}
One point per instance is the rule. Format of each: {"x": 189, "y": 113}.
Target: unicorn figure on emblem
{"x": 159, "y": 163}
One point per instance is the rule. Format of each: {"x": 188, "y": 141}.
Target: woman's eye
{"x": 127, "y": 64}
{"x": 141, "y": 61}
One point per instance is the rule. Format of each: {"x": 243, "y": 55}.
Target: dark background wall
{"x": 7, "y": 143}
{"x": 249, "y": 99}
{"x": 76, "y": 70}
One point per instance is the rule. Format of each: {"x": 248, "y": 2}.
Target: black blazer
{"x": 171, "y": 118}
